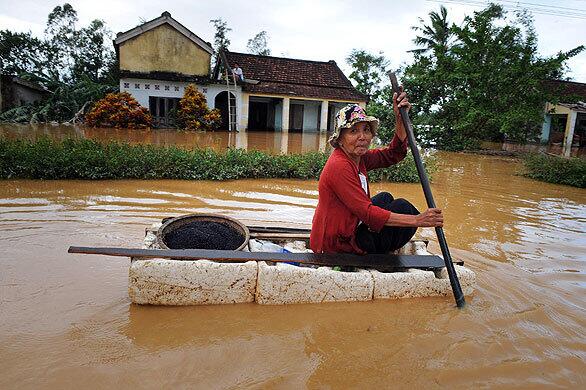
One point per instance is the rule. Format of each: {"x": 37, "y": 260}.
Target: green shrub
{"x": 89, "y": 159}
{"x": 556, "y": 170}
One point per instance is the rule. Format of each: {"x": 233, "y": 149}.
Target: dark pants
{"x": 390, "y": 237}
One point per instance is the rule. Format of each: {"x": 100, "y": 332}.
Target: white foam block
{"x": 419, "y": 283}
{"x": 285, "y": 283}
{"x": 200, "y": 282}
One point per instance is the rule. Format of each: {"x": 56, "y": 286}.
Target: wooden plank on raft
{"x": 280, "y": 236}
{"x": 374, "y": 261}
{"x": 279, "y": 229}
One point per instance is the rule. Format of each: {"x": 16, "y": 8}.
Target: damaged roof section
{"x": 294, "y": 77}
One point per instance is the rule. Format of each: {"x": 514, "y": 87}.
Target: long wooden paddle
{"x": 456, "y": 289}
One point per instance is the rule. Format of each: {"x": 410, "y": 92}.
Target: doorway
{"x": 221, "y": 103}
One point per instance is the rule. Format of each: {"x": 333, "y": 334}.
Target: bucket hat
{"x": 347, "y": 117}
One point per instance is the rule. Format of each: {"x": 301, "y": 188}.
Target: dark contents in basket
{"x": 204, "y": 235}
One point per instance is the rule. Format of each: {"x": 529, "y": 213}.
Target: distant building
{"x": 565, "y": 122}
{"x": 159, "y": 58}
{"x": 15, "y": 92}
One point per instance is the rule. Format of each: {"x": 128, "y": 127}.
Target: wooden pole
{"x": 456, "y": 289}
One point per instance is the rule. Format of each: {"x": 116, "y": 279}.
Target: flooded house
{"x": 16, "y": 92}
{"x": 159, "y": 58}
{"x": 565, "y": 121}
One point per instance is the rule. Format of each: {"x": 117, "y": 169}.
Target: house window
{"x": 157, "y": 87}
{"x": 176, "y": 89}
{"x": 126, "y": 85}
{"x": 166, "y": 87}
{"x": 163, "y": 109}
{"x": 136, "y": 86}
{"x": 147, "y": 86}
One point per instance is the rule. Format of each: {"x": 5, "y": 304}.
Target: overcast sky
{"x": 319, "y": 30}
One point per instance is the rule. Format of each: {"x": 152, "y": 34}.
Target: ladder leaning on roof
{"x": 231, "y": 90}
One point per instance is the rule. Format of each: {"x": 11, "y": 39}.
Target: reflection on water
{"x": 66, "y": 319}
{"x": 271, "y": 142}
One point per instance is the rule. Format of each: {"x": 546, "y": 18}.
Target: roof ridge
{"x": 283, "y": 58}
{"x": 565, "y": 81}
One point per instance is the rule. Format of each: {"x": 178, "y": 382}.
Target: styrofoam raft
{"x": 203, "y": 282}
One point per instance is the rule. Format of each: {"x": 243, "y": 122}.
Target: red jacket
{"x": 342, "y": 202}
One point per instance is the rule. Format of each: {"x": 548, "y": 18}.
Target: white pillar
{"x": 284, "y": 142}
{"x": 323, "y": 121}
{"x": 285, "y": 115}
{"x": 243, "y": 112}
{"x": 242, "y": 140}
{"x": 323, "y": 141}
{"x": 569, "y": 135}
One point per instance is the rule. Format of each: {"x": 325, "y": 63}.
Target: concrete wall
{"x": 279, "y": 116}
{"x": 164, "y": 49}
{"x": 310, "y": 113}
{"x": 14, "y": 94}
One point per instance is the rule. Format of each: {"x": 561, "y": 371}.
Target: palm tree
{"x": 436, "y": 36}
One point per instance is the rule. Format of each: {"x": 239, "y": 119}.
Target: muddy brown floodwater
{"x": 66, "y": 320}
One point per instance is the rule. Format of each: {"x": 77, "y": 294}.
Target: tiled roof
{"x": 570, "y": 89}
{"x": 288, "y": 76}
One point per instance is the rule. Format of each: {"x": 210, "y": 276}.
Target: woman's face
{"x": 355, "y": 141}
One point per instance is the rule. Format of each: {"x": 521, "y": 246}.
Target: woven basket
{"x": 173, "y": 224}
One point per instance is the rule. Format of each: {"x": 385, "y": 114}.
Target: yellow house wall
{"x": 164, "y": 49}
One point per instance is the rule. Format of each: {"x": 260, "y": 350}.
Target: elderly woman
{"x": 346, "y": 219}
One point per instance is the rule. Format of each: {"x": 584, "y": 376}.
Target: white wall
{"x": 310, "y": 114}
{"x": 174, "y": 89}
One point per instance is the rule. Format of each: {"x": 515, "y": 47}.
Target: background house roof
{"x": 164, "y": 18}
{"x": 25, "y": 83}
{"x": 288, "y": 76}
{"x": 567, "y": 89}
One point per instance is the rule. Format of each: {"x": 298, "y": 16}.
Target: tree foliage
{"x": 66, "y": 53}
{"x": 368, "y": 71}
{"x": 259, "y": 44}
{"x": 486, "y": 85}
{"x": 194, "y": 113}
{"x": 221, "y": 40}
{"x": 119, "y": 110}
{"x": 436, "y": 36}
{"x": 482, "y": 80}
{"x": 75, "y": 64}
